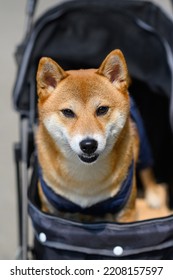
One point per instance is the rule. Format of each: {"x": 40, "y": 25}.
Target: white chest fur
{"x": 88, "y": 184}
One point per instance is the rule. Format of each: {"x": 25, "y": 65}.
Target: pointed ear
{"x": 115, "y": 69}
{"x": 49, "y": 74}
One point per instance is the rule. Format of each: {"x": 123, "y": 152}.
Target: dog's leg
{"x": 151, "y": 188}
{"x": 128, "y": 216}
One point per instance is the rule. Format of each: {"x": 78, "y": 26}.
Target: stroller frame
{"x": 21, "y": 154}
{"x": 23, "y": 150}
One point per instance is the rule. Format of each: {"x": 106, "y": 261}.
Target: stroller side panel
{"x": 66, "y": 239}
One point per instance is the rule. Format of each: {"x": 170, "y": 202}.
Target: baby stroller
{"x": 79, "y": 34}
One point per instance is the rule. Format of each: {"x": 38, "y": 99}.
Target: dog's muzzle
{"x": 88, "y": 146}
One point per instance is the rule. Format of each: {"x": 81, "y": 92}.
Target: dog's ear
{"x": 49, "y": 74}
{"x": 115, "y": 69}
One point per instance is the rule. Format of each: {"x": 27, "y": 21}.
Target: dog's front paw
{"x": 156, "y": 196}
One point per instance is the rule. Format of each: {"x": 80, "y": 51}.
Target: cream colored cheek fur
{"x": 61, "y": 137}
{"x": 114, "y": 128}
{"x": 56, "y": 131}
{"x": 105, "y": 142}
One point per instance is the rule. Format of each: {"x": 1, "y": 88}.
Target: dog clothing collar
{"x": 111, "y": 205}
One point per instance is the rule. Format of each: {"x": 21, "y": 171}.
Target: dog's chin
{"x": 88, "y": 158}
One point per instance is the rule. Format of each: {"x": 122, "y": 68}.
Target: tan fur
{"x": 83, "y": 91}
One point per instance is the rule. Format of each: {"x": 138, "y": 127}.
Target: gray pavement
{"x": 12, "y": 18}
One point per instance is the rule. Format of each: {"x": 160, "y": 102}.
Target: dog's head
{"x": 84, "y": 111}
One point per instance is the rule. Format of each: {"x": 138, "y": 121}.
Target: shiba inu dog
{"x": 87, "y": 142}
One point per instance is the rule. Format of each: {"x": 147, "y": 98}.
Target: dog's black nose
{"x": 88, "y": 146}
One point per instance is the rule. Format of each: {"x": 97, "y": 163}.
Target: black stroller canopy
{"x": 81, "y": 35}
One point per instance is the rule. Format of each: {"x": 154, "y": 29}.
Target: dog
{"x": 88, "y": 143}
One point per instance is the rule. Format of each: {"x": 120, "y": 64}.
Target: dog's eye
{"x": 102, "y": 110}
{"x": 68, "y": 113}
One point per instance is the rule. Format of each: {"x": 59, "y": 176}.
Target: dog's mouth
{"x": 88, "y": 158}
